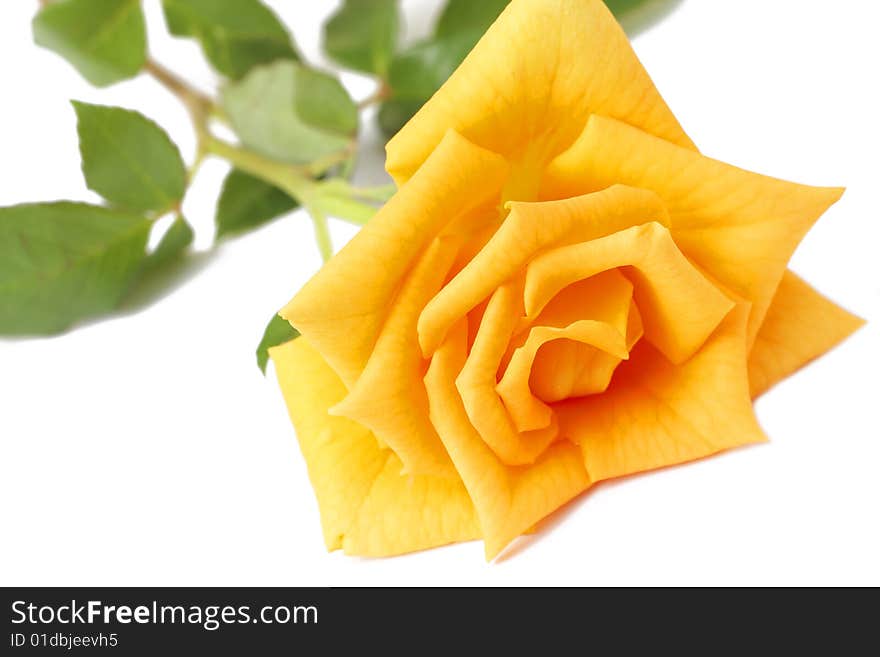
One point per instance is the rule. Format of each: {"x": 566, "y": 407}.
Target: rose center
{"x": 570, "y": 349}
{"x": 566, "y": 368}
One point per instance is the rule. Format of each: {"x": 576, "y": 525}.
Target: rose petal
{"x": 341, "y": 310}
{"x": 800, "y": 325}
{"x": 477, "y": 380}
{"x": 526, "y": 410}
{"x": 509, "y": 500}
{"x": 529, "y": 85}
{"x": 565, "y": 355}
{"x": 679, "y": 307}
{"x": 605, "y": 297}
{"x": 367, "y": 507}
{"x": 529, "y": 229}
{"x": 656, "y": 414}
{"x": 741, "y": 227}
{"x": 572, "y": 368}
{"x": 389, "y": 397}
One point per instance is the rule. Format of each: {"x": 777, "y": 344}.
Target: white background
{"x": 147, "y": 449}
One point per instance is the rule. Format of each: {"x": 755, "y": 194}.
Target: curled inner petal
{"x": 679, "y": 306}
{"x": 508, "y": 499}
{"x": 477, "y": 380}
{"x": 529, "y": 229}
{"x": 566, "y": 368}
{"x": 528, "y": 411}
{"x": 570, "y": 349}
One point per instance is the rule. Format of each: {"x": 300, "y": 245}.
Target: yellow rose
{"x": 563, "y": 290}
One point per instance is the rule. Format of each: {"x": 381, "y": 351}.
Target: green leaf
{"x": 247, "y": 202}
{"x": 172, "y": 247}
{"x": 277, "y": 332}
{"x": 394, "y": 113}
{"x": 321, "y": 101}
{"x": 105, "y": 40}
{"x": 418, "y": 72}
{"x": 165, "y": 267}
{"x": 128, "y": 159}
{"x": 63, "y": 262}
{"x": 362, "y": 35}
{"x": 291, "y": 113}
{"x": 236, "y": 35}
{"x": 468, "y": 16}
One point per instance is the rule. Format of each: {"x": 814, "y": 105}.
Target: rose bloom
{"x": 563, "y": 290}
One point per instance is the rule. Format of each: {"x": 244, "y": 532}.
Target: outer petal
{"x": 389, "y": 397}
{"x": 739, "y": 226}
{"x": 341, "y": 310}
{"x": 800, "y": 325}
{"x": 367, "y": 507}
{"x": 527, "y": 230}
{"x": 509, "y": 500}
{"x": 656, "y": 414}
{"x": 529, "y": 85}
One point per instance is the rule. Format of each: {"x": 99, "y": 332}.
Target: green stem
{"x": 377, "y": 193}
{"x": 283, "y": 176}
{"x": 200, "y": 105}
{"x": 335, "y": 196}
{"x": 323, "y": 164}
{"x": 344, "y": 208}
{"x": 340, "y": 187}
{"x": 346, "y": 171}
{"x": 322, "y": 233}
{"x": 193, "y": 168}
{"x": 382, "y": 93}
{"x": 356, "y": 205}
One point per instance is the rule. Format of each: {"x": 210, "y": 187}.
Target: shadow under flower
{"x": 546, "y": 526}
